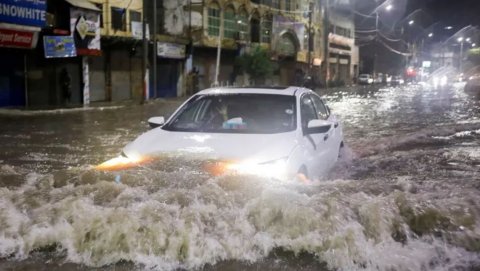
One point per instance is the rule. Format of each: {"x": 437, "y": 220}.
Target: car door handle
{"x": 325, "y": 137}
{"x": 335, "y": 125}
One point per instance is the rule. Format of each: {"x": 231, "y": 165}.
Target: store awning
{"x": 83, "y": 4}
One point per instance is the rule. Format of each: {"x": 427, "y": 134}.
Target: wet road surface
{"x": 404, "y": 195}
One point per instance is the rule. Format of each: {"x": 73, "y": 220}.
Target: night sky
{"x": 430, "y": 16}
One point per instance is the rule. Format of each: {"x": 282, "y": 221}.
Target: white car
{"x": 280, "y": 133}
{"x": 365, "y": 79}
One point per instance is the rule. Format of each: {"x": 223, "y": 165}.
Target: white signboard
{"x": 85, "y": 28}
{"x": 170, "y": 50}
{"x": 137, "y": 30}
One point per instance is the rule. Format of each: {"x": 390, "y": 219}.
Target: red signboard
{"x": 17, "y": 39}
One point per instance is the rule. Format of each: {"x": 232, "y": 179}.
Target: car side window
{"x": 320, "y": 107}
{"x": 307, "y": 110}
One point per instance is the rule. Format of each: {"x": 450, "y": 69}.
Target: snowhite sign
{"x": 23, "y": 12}
{"x": 170, "y": 50}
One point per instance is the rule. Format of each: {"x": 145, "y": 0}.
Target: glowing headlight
{"x": 435, "y": 81}
{"x": 443, "y": 81}
{"x": 272, "y": 169}
{"x": 122, "y": 162}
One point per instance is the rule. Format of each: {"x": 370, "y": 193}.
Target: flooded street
{"x": 405, "y": 194}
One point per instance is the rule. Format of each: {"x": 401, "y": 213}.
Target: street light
{"x": 474, "y": 44}
{"x": 448, "y": 27}
{"x": 430, "y": 35}
{"x": 387, "y": 8}
{"x": 460, "y": 39}
{"x": 468, "y": 39}
{"x": 411, "y": 22}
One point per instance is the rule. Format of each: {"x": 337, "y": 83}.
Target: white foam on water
{"x": 164, "y": 225}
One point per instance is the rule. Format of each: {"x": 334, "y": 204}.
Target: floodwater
{"x": 404, "y": 195}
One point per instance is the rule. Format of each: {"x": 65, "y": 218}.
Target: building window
{"x": 288, "y": 5}
{"x": 243, "y": 26}
{"x": 255, "y": 28}
{"x": 118, "y": 19}
{"x": 100, "y": 7}
{"x": 276, "y": 4}
{"x": 213, "y": 20}
{"x": 267, "y": 29}
{"x": 229, "y": 24}
{"x": 135, "y": 16}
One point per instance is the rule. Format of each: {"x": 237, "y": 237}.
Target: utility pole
{"x": 154, "y": 54}
{"x": 461, "y": 57}
{"x": 145, "y": 56}
{"x": 326, "y": 27}
{"x": 375, "y": 46}
{"x": 309, "y": 56}
{"x": 219, "y": 50}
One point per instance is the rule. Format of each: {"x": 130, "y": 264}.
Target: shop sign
{"x": 85, "y": 29}
{"x": 340, "y": 40}
{"x": 18, "y": 39}
{"x": 170, "y": 50}
{"x": 137, "y": 30}
{"x": 59, "y": 46}
{"x": 23, "y": 12}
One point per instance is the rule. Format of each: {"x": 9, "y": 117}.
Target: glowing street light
{"x": 460, "y": 39}
{"x": 430, "y": 35}
{"x": 474, "y": 44}
{"x": 448, "y": 27}
{"x": 468, "y": 39}
{"x": 389, "y": 7}
{"x": 411, "y": 22}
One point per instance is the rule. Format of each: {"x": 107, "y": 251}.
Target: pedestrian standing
{"x": 65, "y": 84}
{"x": 195, "y": 80}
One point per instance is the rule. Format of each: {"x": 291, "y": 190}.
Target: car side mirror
{"x": 318, "y": 126}
{"x": 155, "y": 122}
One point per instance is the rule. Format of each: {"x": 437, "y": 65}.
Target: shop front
{"x": 170, "y": 66}
{"x": 19, "y": 32}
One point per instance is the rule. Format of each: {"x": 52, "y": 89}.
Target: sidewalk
{"x": 42, "y": 110}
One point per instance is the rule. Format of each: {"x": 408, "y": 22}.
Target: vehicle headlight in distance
{"x": 276, "y": 169}
{"x": 122, "y": 162}
{"x": 443, "y": 81}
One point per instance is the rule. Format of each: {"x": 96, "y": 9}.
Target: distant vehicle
{"x": 473, "y": 85}
{"x": 378, "y": 79}
{"x": 275, "y": 133}
{"x": 397, "y": 80}
{"x": 365, "y": 79}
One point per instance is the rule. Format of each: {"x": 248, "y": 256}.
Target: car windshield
{"x": 236, "y": 113}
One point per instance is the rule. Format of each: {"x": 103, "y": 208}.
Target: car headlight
{"x": 122, "y": 162}
{"x": 276, "y": 169}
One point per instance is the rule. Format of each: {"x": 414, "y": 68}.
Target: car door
{"x": 315, "y": 150}
{"x": 333, "y": 135}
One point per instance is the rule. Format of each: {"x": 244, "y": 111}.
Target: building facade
{"x": 343, "y": 58}
{"x": 84, "y": 51}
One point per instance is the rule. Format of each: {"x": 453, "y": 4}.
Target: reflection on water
{"x": 404, "y": 195}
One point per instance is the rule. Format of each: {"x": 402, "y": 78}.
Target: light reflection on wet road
{"x": 404, "y": 196}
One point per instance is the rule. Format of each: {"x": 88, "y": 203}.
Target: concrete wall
{"x": 97, "y": 79}
{"x": 120, "y": 64}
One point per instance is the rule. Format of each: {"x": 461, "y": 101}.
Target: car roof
{"x": 275, "y": 90}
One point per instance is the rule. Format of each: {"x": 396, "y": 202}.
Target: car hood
{"x": 256, "y": 147}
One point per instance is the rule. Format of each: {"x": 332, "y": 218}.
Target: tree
{"x": 256, "y": 64}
